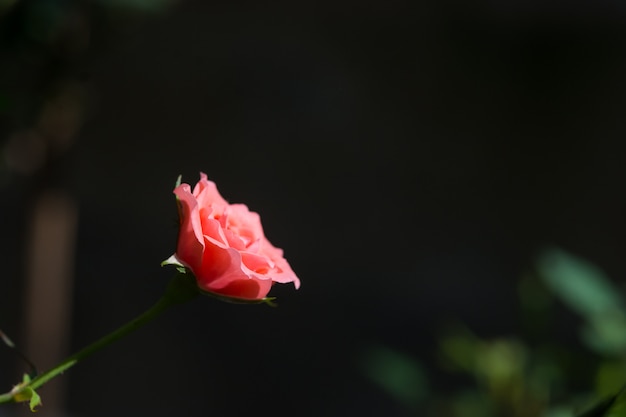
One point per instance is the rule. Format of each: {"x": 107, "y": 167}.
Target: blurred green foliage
{"x": 534, "y": 374}
{"x": 586, "y": 290}
{"x": 400, "y": 375}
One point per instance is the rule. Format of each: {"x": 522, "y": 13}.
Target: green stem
{"x": 181, "y": 289}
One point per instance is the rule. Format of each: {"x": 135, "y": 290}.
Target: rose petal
{"x": 248, "y": 289}
{"x": 234, "y": 240}
{"x": 223, "y": 267}
{"x": 244, "y": 222}
{"x": 190, "y": 241}
{"x": 256, "y": 263}
{"x": 206, "y": 193}
{"x": 213, "y": 230}
{"x": 282, "y": 272}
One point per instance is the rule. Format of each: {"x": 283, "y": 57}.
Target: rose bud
{"x": 224, "y": 246}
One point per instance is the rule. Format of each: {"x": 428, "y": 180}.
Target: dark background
{"x": 410, "y": 157}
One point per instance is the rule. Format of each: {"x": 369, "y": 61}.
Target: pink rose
{"x": 225, "y": 247}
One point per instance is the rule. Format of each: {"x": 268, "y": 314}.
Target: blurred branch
{"x": 33, "y": 369}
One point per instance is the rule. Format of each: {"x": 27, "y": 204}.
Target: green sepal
{"x": 181, "y": 288}
{"x": 173, "y": 260}
{"x": 179, "y": 180}
{"x": 22, "y": 393}
{"x": 35, "y": 399}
